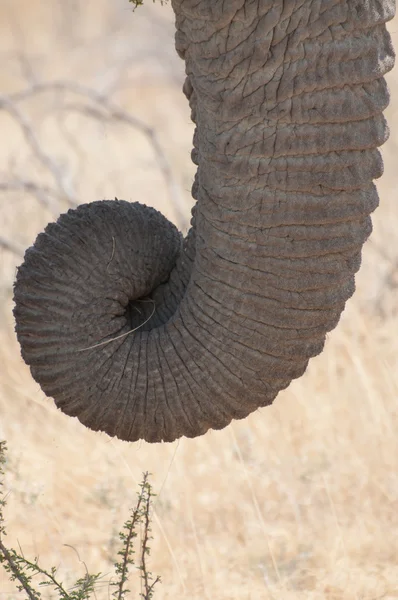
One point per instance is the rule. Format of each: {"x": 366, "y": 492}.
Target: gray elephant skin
{"x": 146, "y": 335}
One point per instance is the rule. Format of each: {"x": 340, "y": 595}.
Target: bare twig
{"x": 123, "y": 116}
{"x": 11, "y": 247}
{"x": 8, "y": 104}
{"x": 105, "y": 109}
{"x": 42, "y": 193}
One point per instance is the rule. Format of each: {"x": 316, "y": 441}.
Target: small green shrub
{"x": 22, "y": 571}
{"x": 141, "y": 2}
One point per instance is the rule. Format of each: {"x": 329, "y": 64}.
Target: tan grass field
{"x": 300, "y": 500}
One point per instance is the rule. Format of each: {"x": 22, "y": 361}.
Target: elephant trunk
{"x": 141, "y": 335}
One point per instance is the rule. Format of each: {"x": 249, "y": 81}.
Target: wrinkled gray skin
{"x": 287, "y": 97}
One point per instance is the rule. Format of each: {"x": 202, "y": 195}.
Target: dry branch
{"x": 103, "y": 109}
{"x": 43, "y": 193}
{"x": 11, "y": 247}
{"x": 9, "y": 105}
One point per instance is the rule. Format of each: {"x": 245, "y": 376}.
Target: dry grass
{"x": 298, "y": 501}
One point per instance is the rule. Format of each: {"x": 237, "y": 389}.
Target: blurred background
{"x": 300, "y": 500}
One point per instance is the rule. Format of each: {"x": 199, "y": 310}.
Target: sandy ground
{"x": 300, "y": 500}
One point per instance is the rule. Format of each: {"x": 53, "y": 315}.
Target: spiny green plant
{"x": 141, "y": 2}
{"x": 22, "y": 571}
